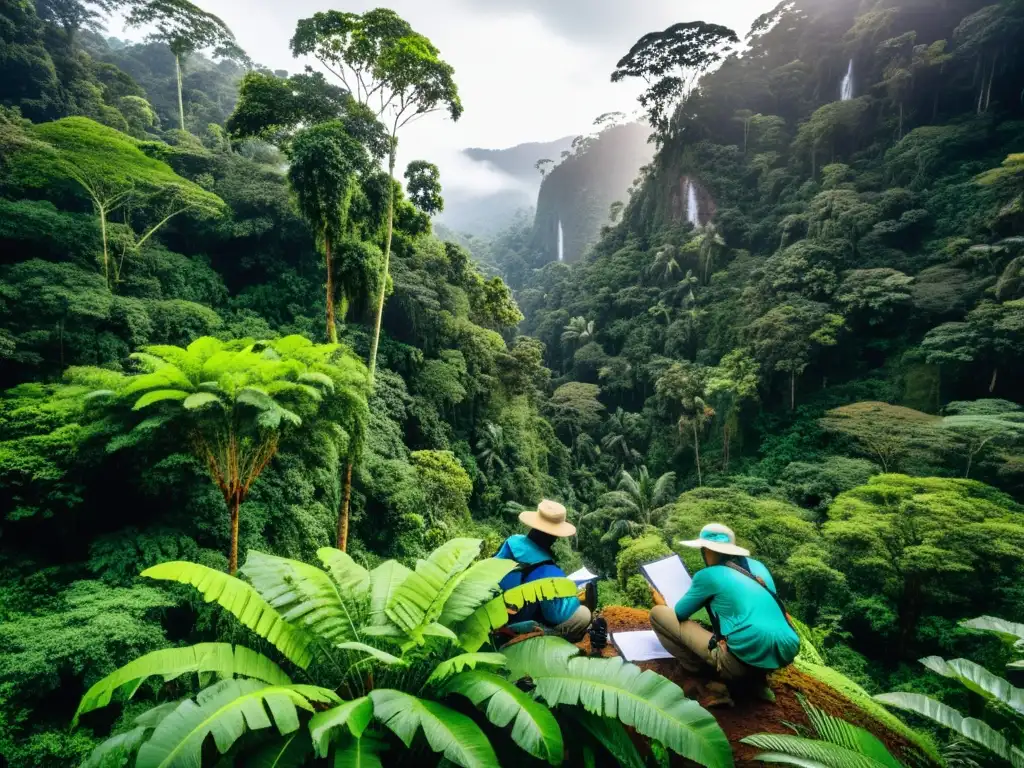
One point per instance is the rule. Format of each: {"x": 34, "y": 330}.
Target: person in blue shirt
{"x": 753, "y": 633}
{"x": 564, "y": 616}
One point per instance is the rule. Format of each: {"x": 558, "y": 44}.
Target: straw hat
{"x": 717, "y": 538}
{"x": 549, "y": 517}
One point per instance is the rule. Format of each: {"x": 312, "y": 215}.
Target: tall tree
{"x": 671, "y": 62}
{"x": 236, "y": 398}
{"x": 636, "y": 502}
{"x": 393, "y": 70}
{"x": 423, "y": 183}
{"x": 185, "y": 28}
{"x": 685, "y": 385}
{"x": 733, "y": 382}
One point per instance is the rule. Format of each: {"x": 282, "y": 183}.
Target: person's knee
{"x": 663, "y": 617}
{"x": 575, "y": 627}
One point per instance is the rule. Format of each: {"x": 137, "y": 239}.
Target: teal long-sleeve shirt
{"x": 749, "y": 618}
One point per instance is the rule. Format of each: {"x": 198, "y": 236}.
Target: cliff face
{"x": 579, "y": 191}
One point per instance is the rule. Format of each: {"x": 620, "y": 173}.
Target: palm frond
{"x": 221, "y": 659}
{"x": 479, "y": 584}
{"x": 244, "y": 602}
{"x": 978, "y": 679}
{"x": 535, "y": 729}
{"x": 463, "y": 661}
{"x": 448, "y": 732}
{"x": 494, "y": 614}
{"x": 352, "y": 579}
{"x": 797, "y": 750}
{"x": 385, "y": 580}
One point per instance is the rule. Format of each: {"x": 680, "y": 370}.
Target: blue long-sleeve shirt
{"x": 749, "y": 618}
{"x": 525, "y": 551}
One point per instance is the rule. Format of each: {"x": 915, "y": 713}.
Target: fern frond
{"x": 222, "y": 659}
{"x": 241, "y": 600}
{"x": 494, "y": 614}
{"x": 797, "y": 750}
{"x": 535, "y": 729}
{"x": 158, "y": 396}
{"x": 464, "y": 661}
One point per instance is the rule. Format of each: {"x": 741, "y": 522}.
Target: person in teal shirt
{"x": 753, "y": 633}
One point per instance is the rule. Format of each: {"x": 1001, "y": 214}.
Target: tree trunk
{"x": 901, "y": 121}
{"x": 236, "y": 501}
{"x": 106, "y": 246}
{"x": 991, "y": 77}
{"x": 343, "y": 515}
{"x": 792, "y": 391}
{"x": 387, "y": 258}
{"x": 181, "y": 105}
{"x": 332, "y": 329}
{"x": 992, "y": 384}
{"x": 696, "y": 453}
{"x": 725, "y": 448}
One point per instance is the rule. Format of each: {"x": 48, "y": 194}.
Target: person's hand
{"x": 658, "y": 599}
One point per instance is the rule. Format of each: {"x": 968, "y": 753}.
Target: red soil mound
{"x": 750, "y": 714}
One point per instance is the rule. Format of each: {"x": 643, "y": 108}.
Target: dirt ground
{"x": 750, "y": 714}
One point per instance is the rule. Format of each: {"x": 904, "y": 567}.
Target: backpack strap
{"x": 740, "y": 569}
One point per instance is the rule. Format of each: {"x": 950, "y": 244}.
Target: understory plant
{"x": 1005, "y": 702}
{"x": 385, "y": 666}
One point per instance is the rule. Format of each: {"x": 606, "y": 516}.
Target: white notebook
{"x": 640, "y": 646}
{"x": 582, "y": 576}
{"x": 669, "y": 576}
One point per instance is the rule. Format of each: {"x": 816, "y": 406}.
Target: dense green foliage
{"x": 804, "y": 320}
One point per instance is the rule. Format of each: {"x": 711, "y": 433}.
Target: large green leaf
{"x": 226, "y": 710}
{"x": 978, "y": 679}
{"x": 385, "y": 580}
{"x": 119, "y": 748}
{"x": 535, "y": 728}
{"x": 979, "y": 732}
{"x": 1008, "y": 629}
{"x": 848, "y": 736}
{"x": 608, "y": 734}
{"x": 448, "y": 732}
{"x": 307, "y": 596}
{"x": 463, "y": 661}
{"x": 290, "y": 751}
{"x": 219, "y": 658}
{"x": 494, "y": 614}
{"x": 419, "y": 600}
{"x": 352, "y": 579}
{"x": 243, "y": 602}
{"x": 646, "y": 701}
{"x": 382, "y": 656}
{"x": 363, "y": 752}
{"x": 479, "y": 584}
{"x": 199, "y": 399}
{"x": 353, "y": 715}
{"x": 158, "y": 396}
{"x": 538, "y": 653}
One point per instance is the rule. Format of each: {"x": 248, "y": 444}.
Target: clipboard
{"x": 583, "y": 576}
{"x": 669, "y": 577}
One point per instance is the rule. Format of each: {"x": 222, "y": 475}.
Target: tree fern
{"x": 535, "y": 728}
{"x": 452, "y": 734}
{"x": 226, "y": 710}
{"x": 244, "y": 603}
{"x": 651, "y": 704}
{"x": 221, "y": 659}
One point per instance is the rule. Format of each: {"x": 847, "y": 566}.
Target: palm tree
{"x": 579, "y": 331}
{"x": 666, "y": 263}
{"x": 711, "y": 244}
{"x": 616, "y": 442}
{"x": 491, "y": 447}
{"x": 382, "y": 655}
{"x": 235, "y": 400}
{"x": 636, "y": 502}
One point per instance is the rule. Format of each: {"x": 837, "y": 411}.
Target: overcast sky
{"x": 527, "y": 70}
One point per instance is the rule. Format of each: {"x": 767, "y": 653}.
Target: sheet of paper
{"x": 583, "y": 575}
{"x": 669, "y": 576}
{"x": 640, "y": 646}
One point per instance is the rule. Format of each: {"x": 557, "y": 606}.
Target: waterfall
{"x": 846, "y": 91}
{"x": 692, "y": 207}
{"x": 561, "y": 242}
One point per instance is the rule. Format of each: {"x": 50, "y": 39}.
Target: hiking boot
{"x": 716, "y": 695}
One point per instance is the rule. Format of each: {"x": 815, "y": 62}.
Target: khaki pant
{"x": 575, "y": 627}
{"x": 688, "y": 642}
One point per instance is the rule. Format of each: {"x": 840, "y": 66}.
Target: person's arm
{"x": 700, "y": 592}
